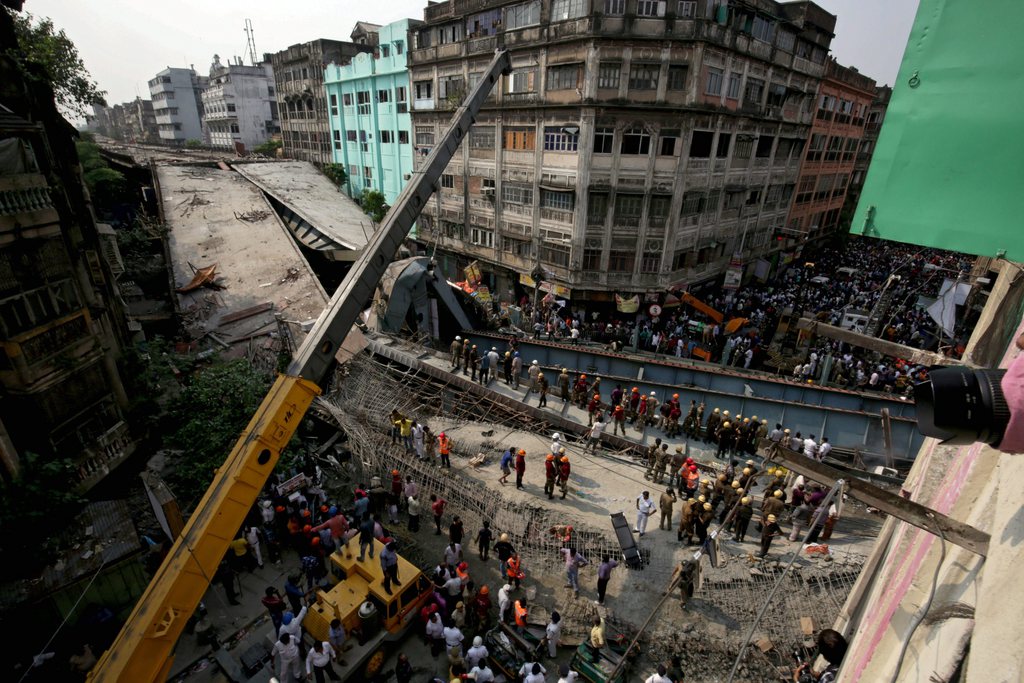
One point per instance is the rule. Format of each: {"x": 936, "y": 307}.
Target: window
{"x": 677, "y": 77}
{"x": 776, "y": 95}
{"x": 387, "y": 137}
{"x": 643, "y": 76}
{"x": 620, "y": 261}
{"x": 762, "y": 29}
{"x": 334, "y": 105}
{"x": 520, "y": 139}
{"x": 734, "y": 200}
{"x": 559, "y": 201}
{"x": 722, "y": 151}
{"x": 615, "y": 8}
{"x": 558, "y": 140}
{"x": 744, "y": 146}
{"x": 733, "y": 92}
{"x": 400, "y": 94}
{"x": 519, "y": 16}
{"x": 668, "y": 143}
{"x": 628, "y": 208}
{"x": 451, "y": 88}
{"x": 234, "y": 127}
{"x": 650, "y": 8}
{"x": 714, "y": 85}
{"x": 657, "y": 214}
{"x": 346, "y": 99}
{"x": 514, "y": 193}
{"x": 591, "y": 259}
{"x": 481, "y": 137}
{"x": 383, "y": 95}
{"x": 754, "y": 198}
{"x": 403, "y": 137}
{"x": 635, "y": 141}
{"x": 608, "y": 75}
{"x": 399, "y": 49}
{"x": 564, "y": 77}
{"x": 521, "y": 80}
{"x": 367, "y": 172}
{"x": 481, "y": 237}
{"x": 385, "y": 51}
{"x": 686, "y": 9}
{"x": 424, "y": 135}
{"x": 555, "y": 254}
{"x": 350, "y": 135}
{"x": 785, "y": 41}
{"x": 693, "y": 203}
{"x": 423, "y": 90}
{"x": 753, "y": 92}
{"x": 363, "y": 102}
{"x": 568, "y": 9}
{"x": 700, "y": 144}
{"x": 650, "y": 262}
{"x": 764, "y": 146}
{"x": 597, "y": 208}
{"x": 337, "y": 139}
{"x": 603, "y": 140}
{"x": 447, "y": 180}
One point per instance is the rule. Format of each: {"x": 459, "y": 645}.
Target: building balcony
{"x": 108, "y": 451}
{"x": 24, "y": 193}
{"x": 220, "y": 116}
{"x": 50, "y": 350}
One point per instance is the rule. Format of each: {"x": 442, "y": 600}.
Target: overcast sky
{"x": 124, "y": 43}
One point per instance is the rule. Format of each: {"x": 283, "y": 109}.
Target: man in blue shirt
{"x": 366, "y": 528}
{"x": 506, "y": 464}
{"x": 389, "y": 566}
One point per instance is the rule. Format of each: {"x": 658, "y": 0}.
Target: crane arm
{"x": 688, "y": 298}
{"x": 143, "y": 650}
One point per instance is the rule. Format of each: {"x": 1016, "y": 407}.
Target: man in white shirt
{"x": 453, "y": 638}
{"x": 824, "y": 449}
{"x": 286, "y": 655}
{"x": 644, "y": 509}
{"x": 476, "y": 654}
{"x": 810, "y": 448}
{"x": 566, "y": 675}
{"x": 482, "y": 673}
{"x": 776, "y": 434}
{"x": 504, "y": 601}
{"x": 556, "y": 443}
{"x": 318, "y": 662}
{"x": 660, "y": 676}
{"x": 532, "y": 672}
{"x": 594, "y": 434}
{"x": 435, "y": 632}
{"x": 553, "y": 632}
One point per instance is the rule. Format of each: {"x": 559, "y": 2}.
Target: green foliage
{"x": 268, "y": 148}
{"x": 374, "y": 204}
{"x": 46, "y": 490}
{"x": 106, "y": 186}
{"x": 212, "y": 411}
{"x": 86, "y": 136}
{"x": 41, "y": 44}
{"x": 336, "y": 173}
{"x": 193, "y": 143}
{"x": 89, "y": 155}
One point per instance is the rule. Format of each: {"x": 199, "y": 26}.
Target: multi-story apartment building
{"x": 872, "y": 126}
{"x": 369, "y": 113}
{"x": 141, "y": 121}
{"x": 61, "y": 326}
{"x": 240, "y": 105}
{"x": 177, "y": 104}
{"x": 299, "y": 80}
{"x": 844, "y": 100}
{"x": 637, "y": 144}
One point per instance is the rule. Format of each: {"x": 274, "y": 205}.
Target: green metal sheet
{"x": 948, "y": 170}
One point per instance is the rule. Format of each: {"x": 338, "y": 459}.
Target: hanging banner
{"x": 545, "y": 286}
{"x": 472, "y": 272}
{"x": 761, "y": 270}
{"x": 627, "y": 305}
{"x": 733, "y": 276}
{"x": 787, "y": 258}
{"x": 483, "y": 294}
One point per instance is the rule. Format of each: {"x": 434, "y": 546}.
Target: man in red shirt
{"x": 520, "y": 468}
{"x": 593, "y": 408}
{"x": 619, "y": 420}
{"x": 437, "y": 507}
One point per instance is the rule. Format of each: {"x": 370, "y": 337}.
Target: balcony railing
{"x": 108, "y": 451}
{"x": 23, "y": 193}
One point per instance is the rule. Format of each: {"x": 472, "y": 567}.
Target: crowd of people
{"x": 824, "y": 286}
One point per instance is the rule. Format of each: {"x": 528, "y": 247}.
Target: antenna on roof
{"x": 250, "y": 42}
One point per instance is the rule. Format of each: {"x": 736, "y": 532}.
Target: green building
{"x": 368, "y": 102}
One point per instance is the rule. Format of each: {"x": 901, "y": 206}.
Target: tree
{"x": 107, "y": 187}
{"x": 336, "y": 173}
{"x": 193, "y": 144}
{"x": 374, "y": 204}
{"x": 41, "y": 44}
{"x": 268, "y": 148}
{"x": 212, "y": 411}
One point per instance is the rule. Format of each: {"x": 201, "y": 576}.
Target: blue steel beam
{"x": 849, "y": 419}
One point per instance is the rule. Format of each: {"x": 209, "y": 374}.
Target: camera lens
{"x": 961, "y": 406}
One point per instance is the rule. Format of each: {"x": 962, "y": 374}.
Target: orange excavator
{"x": 730, "y": 327}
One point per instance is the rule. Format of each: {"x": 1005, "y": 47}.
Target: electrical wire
{"x": 61, "y": 626}
{"x": 923, "y": 612}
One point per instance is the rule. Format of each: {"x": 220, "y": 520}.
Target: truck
{"x": 143, "y": 651}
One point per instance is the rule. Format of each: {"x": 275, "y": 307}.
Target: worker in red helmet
{"x": 593, "y": 408}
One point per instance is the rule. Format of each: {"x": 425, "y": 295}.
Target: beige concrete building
{"x": 636, "y": 144}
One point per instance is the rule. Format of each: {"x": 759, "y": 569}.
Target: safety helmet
{"x": 750, "y": 462}
{"x": 307, "y": 529}
{"x": 746, "y": 420}
{"x": 635, "y": 390}
{"x": 549, "y": 456}
{"x": 463, "y": 566}
{"x": 484, "y": 590}
{"x": 771, "y": 470}
{"x": 722, "y": 477}
{"x": 568, "y": 528}
{"x": 333, "y": 511}
{"x": 746, "y": 470}
{"x": 739, "y": 492}
{"x": 522, "y": 452}
{"x": 707, "y": 506}
{"x": 764, "y": 422}
{"x": 701, "y": 499}
{"x": 693, "y": 468}
{"x": 735, "y": 483}
{"x": 565, "y": 458}
{"x": 726, "y": 424}
{"x": 778, "y": 493}
{"x": 494, "y": 348}
{"x": 561, "y": 451}
{"x": 785, "y": 431}
{"x": 689, "y": 461}
{"x": 597, "y": 397}
{"x": 478, "y": 641}
{"x": 394, "y": 473}
{"x": 771, "y": 518}
{"x": 441, "y": 435}
{"x": 652, "y": 393}
{"x": 679, "y": 449}
{"x": 745, "y": 500}
{"x": 324, "y": 508}
{"x": 754, "y": 418}
{"x": 306, "y": 513}
{"x": 503, "y": 537}
{"x": 315, "y": 540}
{"x": 474, "y": 346}
{"x": 705, "y": 482}
{"x": 675, "y": 395}
{"x": 279, "y": 508}
{"x": 725, "y": 413}
{"x": 287, "y": 618}
{"x": 583, "y": 376}
{"x": 507, "y": 354}
{"x": 716, "y": 410}
{"x": 556, "y": 436}
{"x": 535, "y": 363}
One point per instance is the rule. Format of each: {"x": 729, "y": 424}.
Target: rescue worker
{"x": 674, "y": 413}
{"x": 563, "y": 385}
{"x": 650, "y": 455}
{"x": 666, "y": 502}
{"x": 661, "y": 461}
{"x": 619, "y": 421}
{"x": 595, "y": 388}
{"x": 521, "y": 614}
{"x": 506, "y": 367}
{"x": 725, "y": 441}
{"x": 641, "y": 414}
{"x": 743, "y": 514}
{"x": 703, "y": 521}
{"x": 285, "y": 656}
{"x": 699, "y": 421}
{"x": 769, "y": 531}
{"x": 542, "y": 383}
{"x": 773, "y": 506}
{"x": 686, "y": 521}
{"x": 444, "y": 447}
{"x": 691, "y": 416}
{"x": 533, "y": 372}
{"x": 456, "y": 350}
{"x": 564, "y": 469}
{"x": 514, "y": 570}
{"x": 520, "y": 468}
{"x": 579, "y": 390}
{"x": 729, "y": 499}
{"x": 517, "y": 369}
{"x": 550, "y": 474}
{"x": 714, "y": 419}
{"x": 474, "y": 363}
{"x": 633, "y": 405}
{"x": 692, "y": 481}
{"x": 466, "y": 357}
{"x": 644, "y": 509}
{"x": 504, "y": 602}
{"x": 652, "y": 409}
{"x": 676, "y": 464}
{"x": 593, "y": 408}
{"x": 761, "y": 434}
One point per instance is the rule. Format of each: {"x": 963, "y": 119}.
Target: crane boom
{"x": 143, "y": 650}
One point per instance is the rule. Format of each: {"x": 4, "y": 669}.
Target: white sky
{"x": 124, "y": 43}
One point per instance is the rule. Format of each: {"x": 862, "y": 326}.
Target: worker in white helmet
{"x": 457, "y": 353}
